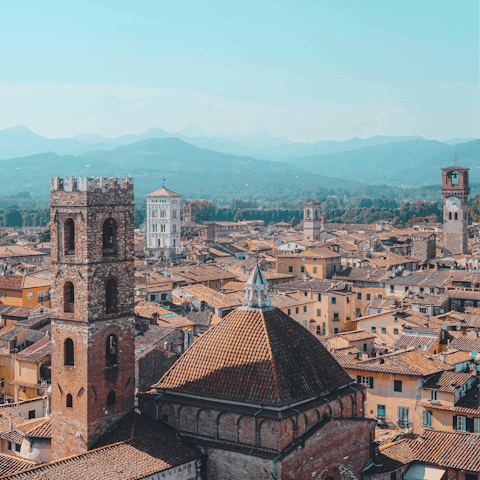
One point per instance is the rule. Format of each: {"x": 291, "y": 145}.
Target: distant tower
{"x": 313, "y": 220}
{"x": 189, "y": 211}
{"x": 93, "y": 360}
{"x": 163, "y": 221}
{"x": 455, "y": 191}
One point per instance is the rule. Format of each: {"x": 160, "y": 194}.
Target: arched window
{"x": 69, "y": 236}
{"x": 111, "y": 351}
{"x": 68, "y": 297}
{"x": 69, "y": 401}
{"x": 456, "y": 216}
{"x": 111, "y": 296}
{"x": 174, "y": 242}
{"x": 111, "y": 400}
{"x": 109, "y": 234}
{"x": 69, "y": 352}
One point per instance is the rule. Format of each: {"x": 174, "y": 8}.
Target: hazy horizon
{"x": 303, "y": 71}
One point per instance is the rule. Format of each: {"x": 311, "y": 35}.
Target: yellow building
{"x": 450, "y": 401}
{"x": 394, "y": 384}
{"x": 32, "y": 370}
{"x": 318, "y": 263}
{"x": 24, "y": 290}
{"x": 334, "y": 303}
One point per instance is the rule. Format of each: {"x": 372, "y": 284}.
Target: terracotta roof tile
{"x": 256, "y": 356}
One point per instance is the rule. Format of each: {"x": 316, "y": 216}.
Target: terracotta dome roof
{"x": 258, "y": 356}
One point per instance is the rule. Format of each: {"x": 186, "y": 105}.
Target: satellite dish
{"x": 473, "y": 354}
{"x": 478, "y": 368}
{"x": 458, "y": 327}
{"x": 424, "y": 348}
{"x": 405, "y": 430}
{"x": 442, "y": 311}
{"x": 444, "y": 327}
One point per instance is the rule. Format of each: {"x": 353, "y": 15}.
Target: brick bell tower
{"x": 93, "y": 360}
{"x": 455, "y": 191}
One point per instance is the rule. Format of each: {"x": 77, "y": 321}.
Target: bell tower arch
{"x": 92, "y": 309}
{"x": 455, "y": 191}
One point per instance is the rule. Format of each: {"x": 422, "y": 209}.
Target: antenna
{"x": 444, "y": 327}
{"x": 458, "y": 327}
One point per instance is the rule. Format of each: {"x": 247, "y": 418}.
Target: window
{"x": 296, "y": 309}
{"x": 380, "y": 296}
{"x": 395, "y": 331}
{"x": 305, "y": 324}
{"x": 460, "y": 423}
{"x": 69, "y": 352}
{"x": 367, "y": 381}
{"x": 324, "y": 328}
{"x": 402, "y": 417}
{"x": 359, "y": 296}
{"x": 397, "y": 385}
{"x": 111, "y": 351}
{"x": 69, "y": 237}
{"x": 290, "y": 269}
{"x": 30, "y": 296}
{"x": 433, "y": 395}
{"x": 305, "y": 293}
{"x": 393, "y": 476}
{"x": 319, "y": 297}
{"x": 111, "y": 398}
{"x": 380, "y": 410}
{"x": 335, "y": 317}
{"x": 305, "y": 309}
{"x": 358, "y": 312}
{"x": 289, "y": 311}
{"x": 368, "y": 296}
{"x": 68, "y": 297}
{"x": 334, "y": 300}
{"x": 449, "y": 215}
{"x": 456, "y": 215}
{"x": 476, "y": 425}
{"x": 18, "y": 447}
{"x": 302, "y": 269}
{"x": 348, "y": 299}
{"x": 392, "y": 288}
{"x": 69, "y": 401}
{"x": 111, "y": 296}
{"x": 373, "y": 329}
{"x": 319, "y": 312}
{"x": 335, "y": 331}
{"x": 31, "y": 414}
{"x": 427, "y": 418}
{"x": 9, "y": 445}
{"x": 421, "y": 289}
{"x": 384, "y": 330}
{"x": 314, "y": 269}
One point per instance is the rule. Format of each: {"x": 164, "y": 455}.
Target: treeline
{"x": 14, "y": 217}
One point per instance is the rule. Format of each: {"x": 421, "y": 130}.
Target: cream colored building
{"x": 333, "y": 307}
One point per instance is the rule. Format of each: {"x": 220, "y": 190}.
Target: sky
{"x": 304, "y": 70}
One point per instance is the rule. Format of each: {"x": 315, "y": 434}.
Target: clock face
{"x": 453, "y": 204}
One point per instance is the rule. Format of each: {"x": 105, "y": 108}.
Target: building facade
{"x": 455, "y": 191}
{"x": 189, "y": 211}
{"x": 163, "y": 222}
{"x": 93, "y": 358}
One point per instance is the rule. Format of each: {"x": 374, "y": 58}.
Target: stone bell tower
{"x": 93, "y": 360}
{"x": 313, "y": 220}
{"x": 455, "y": 191}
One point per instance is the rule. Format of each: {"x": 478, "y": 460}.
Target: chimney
{"x": 154, "y": 318}
{"x": 10, "y": 420}
{"x": 441, "y": 357}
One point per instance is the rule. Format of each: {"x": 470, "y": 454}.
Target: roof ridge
{"x": 272, "y": 361}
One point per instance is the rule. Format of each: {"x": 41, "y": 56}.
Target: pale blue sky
{"x": 306, "y": 70}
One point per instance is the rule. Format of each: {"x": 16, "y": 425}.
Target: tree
{"x": 12, "y": 218}
{"x": 205, "y": 210}
{"x": 41, "y": 218}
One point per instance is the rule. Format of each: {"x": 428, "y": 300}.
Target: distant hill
{"x": 189, "y": 170}
{"x": 455, "y": 141}
{"x": 404, "y": 163}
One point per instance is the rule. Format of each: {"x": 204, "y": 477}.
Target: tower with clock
{"x": 455, "y": 191}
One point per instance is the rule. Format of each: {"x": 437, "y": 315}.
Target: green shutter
{"x": 371, "y": 382}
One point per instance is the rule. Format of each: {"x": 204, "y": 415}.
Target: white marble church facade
{"x": 163, "y": 222}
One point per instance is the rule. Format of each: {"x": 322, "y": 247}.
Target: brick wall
{"x": 89, "y": 266}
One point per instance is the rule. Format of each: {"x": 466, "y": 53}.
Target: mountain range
{"x": 192, "y": 168}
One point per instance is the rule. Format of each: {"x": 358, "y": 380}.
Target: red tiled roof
{"x": 256, "y": 356}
